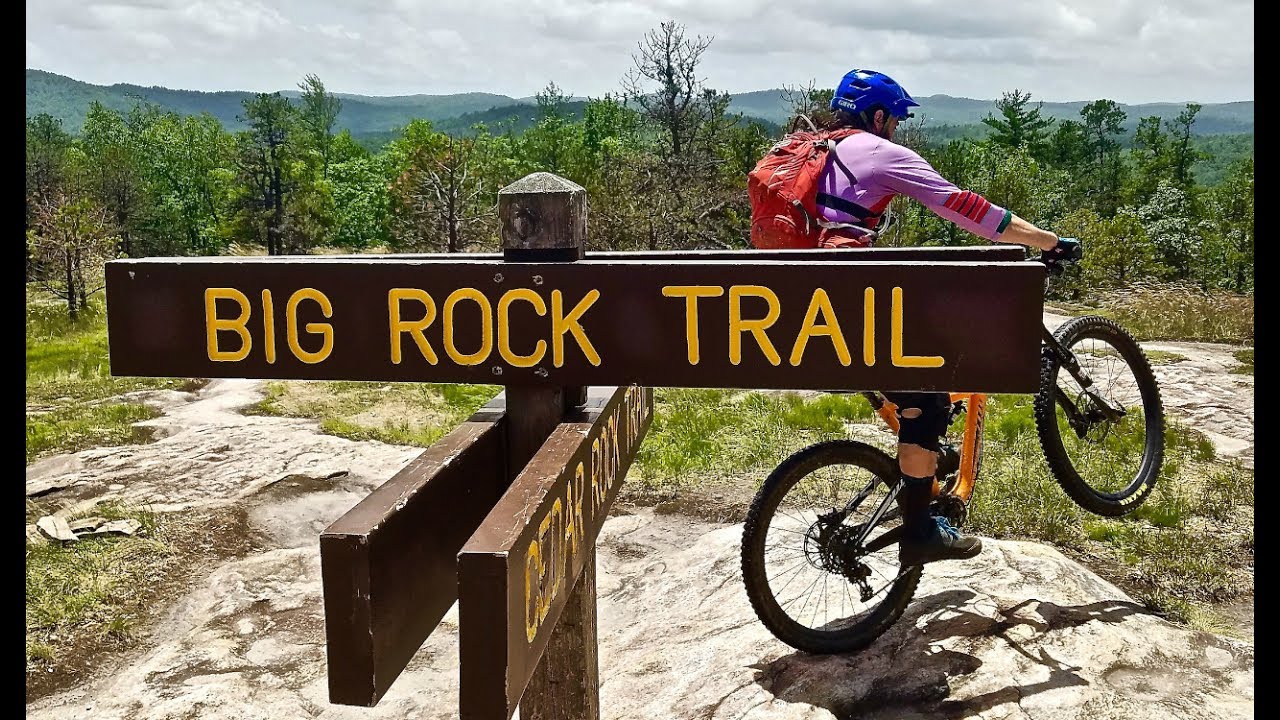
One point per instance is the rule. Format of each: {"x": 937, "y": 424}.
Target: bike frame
{"x": 970, "y": 445}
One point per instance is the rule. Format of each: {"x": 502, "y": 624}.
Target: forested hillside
{"x": 1156, "y": 203}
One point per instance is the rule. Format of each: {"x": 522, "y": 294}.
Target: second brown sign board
{"x": 517, "y": 570}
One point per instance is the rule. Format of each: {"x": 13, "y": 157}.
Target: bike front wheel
{"x": 1104, "y": 438}
{"x": 816, "y": 580}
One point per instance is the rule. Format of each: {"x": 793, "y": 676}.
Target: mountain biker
{"x": 862, "y": 175}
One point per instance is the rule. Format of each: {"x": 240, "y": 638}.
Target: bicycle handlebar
{"x": 1055, "y": 258}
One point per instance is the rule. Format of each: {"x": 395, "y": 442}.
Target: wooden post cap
{"x": 543, "y": 211}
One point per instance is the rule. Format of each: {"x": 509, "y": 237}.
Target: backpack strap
{"x": 833, "y": 140}
{"x": 831, "y": 148}
{"x": 847, "y": 207}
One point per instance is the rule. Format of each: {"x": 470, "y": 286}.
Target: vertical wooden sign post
{"x": 544, "y": 219}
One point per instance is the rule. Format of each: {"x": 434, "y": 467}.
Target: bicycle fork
{"x": 1075, "y": 417}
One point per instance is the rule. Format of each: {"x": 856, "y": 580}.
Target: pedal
{"x": 950, "y": 507}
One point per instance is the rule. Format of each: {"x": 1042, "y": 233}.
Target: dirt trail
{"x": 247, "y": 641}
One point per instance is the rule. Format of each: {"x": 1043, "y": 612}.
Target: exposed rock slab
{"x": 1020, "y": 632}
{"x": 208, "y": 454}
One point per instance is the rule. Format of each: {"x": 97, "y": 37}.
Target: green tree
{"x": 317, "y": 114}
{"x": 114, "y": 172}
{"x": 439, "y": 199}
{"x": 1182, "y": 152}
{"x": 1068, "y": 153}
{"x": 1227, "y": 257}
{"x": 686, "y": 206}
{"x": 264, "y": 158}
{"x": 362, "y": 201}
{"x": 1103, "y": 122}
{"x": 554, "y": 143}
{"x": 1119, "y": 252}
{"x": 188, "y": 164}
{"x": 47, "y": 146}
{"x": 1169, "y": 219}
{"x": 1151, "y": 158}
{"x": 1018, "y": 126}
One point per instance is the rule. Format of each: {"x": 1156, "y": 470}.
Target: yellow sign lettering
{"x": 561, "y": 323}
{"x": 213, "y": 323}
{"x": 573, "y": 525}
{"x": 691, "y": 293}
{"x": 869, "y": 327}
{"x": 738, "y": 326}
{"x": 325, "y": 330}
{"x": 820, "y": 303}
{"x": 414, "y": 327}
{"x": 486, "y": 326}
{"x": 533, "y": 571}
{"x": 899, "y": 359}
{"x": 504, "y": 327}
{"x": 268, "y": 326}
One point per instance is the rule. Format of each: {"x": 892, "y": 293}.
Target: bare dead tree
{"x": 72, "y": 239}
{"x": 445, "y": 200}
{"x": 669, "y": 59}
{"x": 680, "y": 181}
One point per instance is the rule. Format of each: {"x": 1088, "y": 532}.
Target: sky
{"x": 1124, "y": 50}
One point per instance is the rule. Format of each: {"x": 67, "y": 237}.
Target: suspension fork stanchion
{"x": 1067, "y": 359}
{"x": 1064, "y": 357}
{"x": 971, "y": 447}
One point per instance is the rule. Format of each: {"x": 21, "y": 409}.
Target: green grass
{"x": 90, "y": 588}
{"x": 70, "y": 391}
{"x": 1176, "y": 312}
{"x": 1163, "y": 357}
{"x": 1245, "y": 358}
{"x": 415, "y": 414}
{"x": 701, "y": 434}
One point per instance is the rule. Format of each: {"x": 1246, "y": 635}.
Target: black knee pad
{"x": 930, "y": 426}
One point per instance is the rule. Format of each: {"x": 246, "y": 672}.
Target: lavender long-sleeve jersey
{"x": 882, "y": 169}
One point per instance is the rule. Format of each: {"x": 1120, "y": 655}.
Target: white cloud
{"x": 1128, "y": 50}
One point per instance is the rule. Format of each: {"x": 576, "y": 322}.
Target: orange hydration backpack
{"x": 784, "y": 186}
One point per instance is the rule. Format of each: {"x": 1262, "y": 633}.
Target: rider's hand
{"x": 1066, "y": 249}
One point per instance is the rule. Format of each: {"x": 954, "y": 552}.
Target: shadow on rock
{"x": 940, "y": 641}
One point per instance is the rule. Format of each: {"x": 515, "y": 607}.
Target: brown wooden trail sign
{"x": 389, "y": 565}
{"x": 992, "y": 253}
{"x": 850, "y": 325}
{"x": 545, "y": 319}
{"x": 517, "y": 571}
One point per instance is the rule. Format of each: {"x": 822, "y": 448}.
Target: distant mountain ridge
{"x": 1213, "y": 118}
{"x": 68, "y": 99}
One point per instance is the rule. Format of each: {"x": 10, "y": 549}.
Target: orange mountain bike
{"x": 820, "y": 542}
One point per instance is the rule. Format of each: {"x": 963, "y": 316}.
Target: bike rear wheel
{"x": 809, "y": 583}
{"x": 1104, "y": 443}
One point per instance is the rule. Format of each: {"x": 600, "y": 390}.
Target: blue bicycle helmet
{"x": 860, "y": 90}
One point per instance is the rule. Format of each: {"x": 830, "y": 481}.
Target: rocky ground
{"x": 1022, "y": 632}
